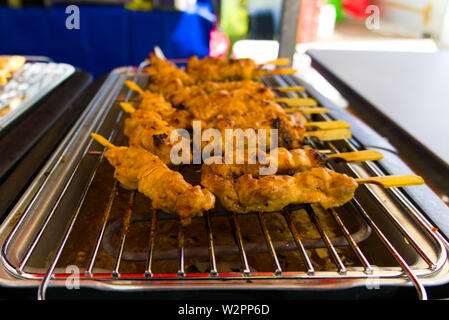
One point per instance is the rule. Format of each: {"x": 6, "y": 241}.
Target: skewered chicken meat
{"x": 176, "y": 89}
{"x": 274, "y": 192}
{"x": 281, "y": 159}
{"x": 221, "y": 109}
{"x": 155, "y": 102}
{"x": 244, "y": 87}
{"x": 169, "y": 69}
{"x": 139, "y": 169}
{"x": 146, "y": 129}
{"x": 213, "y": 69}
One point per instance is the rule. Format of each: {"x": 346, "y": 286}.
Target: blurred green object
{"x": 234, "y": 20}
{"x": 14, "y": 3}
{"x": 338, "y": 8}
{"x": 143, "y": 5}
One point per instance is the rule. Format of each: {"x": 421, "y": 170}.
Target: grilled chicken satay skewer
{"x": 161, "y": 147}
{"x": 234, "y": 70}
{"x": 202, "y": 100}
{"x": 254, "y": 89}
{"x": 324, "y": 125}
{"x": 147, "y": 130}
{"x": 277, "y": 62}
{"x": 274, "y": 192}
{"x": 214, "y": 69}
{"x": 250, "y": 87}
{"x": 284, "y": 161}
{"x": 156, "y": 103}
{"x": 322, "y": 135}
{"x": 222, "y": 110}
{"x": 138, "y": 169}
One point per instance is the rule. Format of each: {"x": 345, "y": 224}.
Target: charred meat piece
{"x": 139, "y": 169}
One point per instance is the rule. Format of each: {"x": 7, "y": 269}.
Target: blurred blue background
{"x": 109, "y": 36}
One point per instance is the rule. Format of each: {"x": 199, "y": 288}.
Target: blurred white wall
{"x": 415, "y": 18}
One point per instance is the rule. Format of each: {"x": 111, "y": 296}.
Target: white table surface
{"x": 411, "y": 89}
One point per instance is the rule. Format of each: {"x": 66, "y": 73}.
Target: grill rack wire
{"x": 369, "y": 271}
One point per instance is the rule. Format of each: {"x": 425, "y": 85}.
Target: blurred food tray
{"x": 27, "y": 86}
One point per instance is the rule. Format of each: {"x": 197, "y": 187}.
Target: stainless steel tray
{"x": 28, "y": 85}
{"x": 34, "y": 234}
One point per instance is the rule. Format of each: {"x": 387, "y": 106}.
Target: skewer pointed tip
{"x": 134, "y": 87}
{"x": 278, "y": 62}
{"x": 102, "y": 140}
{"x": 127, "y": 107}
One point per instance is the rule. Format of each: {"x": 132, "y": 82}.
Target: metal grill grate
{"x": 416, "y": 231}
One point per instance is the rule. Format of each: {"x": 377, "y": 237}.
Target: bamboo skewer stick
{"x": 358, "y": 156}
{"x": 297, "y": 102}
{"x": 280, "y": 71}
{"x": 307, "y": 110}
{"x": 127, "y": 107}
{"x": 102, "y": 140}
{"x": 278, "y": 62}
{"x": 134, "y": 87}
{"x": 392, "y": 181}
{"x": 329, "y": 135}
{"x": 159, "y": 53}
{"x": 289, "y": 89}
{"x": 327, "y": 125}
